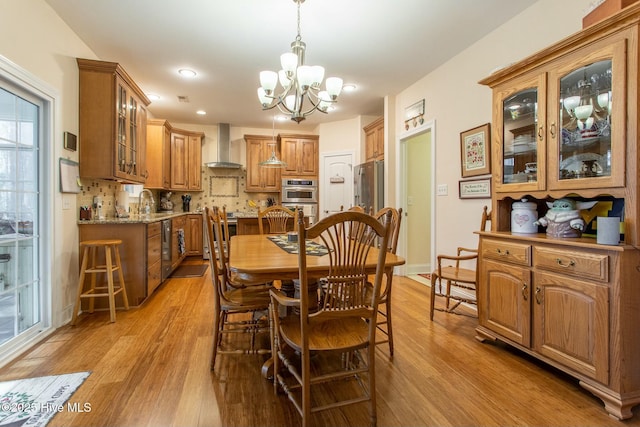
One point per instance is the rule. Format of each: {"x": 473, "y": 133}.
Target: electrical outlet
{"x": 443, "y": 189}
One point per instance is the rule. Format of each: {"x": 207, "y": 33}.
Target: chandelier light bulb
{"x": 334, "y": 87}
{"x": 289, "y": 62}
{"x": 571, "y": 102}
{"x": 264, "y": 99}
{"x": 268, "y": 81}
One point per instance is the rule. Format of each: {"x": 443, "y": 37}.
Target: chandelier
{"x": 300, "y": 84}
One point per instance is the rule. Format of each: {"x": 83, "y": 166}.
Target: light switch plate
{"x": 66, "y": 203}
{"x": 443, "y": 189}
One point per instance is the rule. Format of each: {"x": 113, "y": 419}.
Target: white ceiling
{"x": 382, "y": 46}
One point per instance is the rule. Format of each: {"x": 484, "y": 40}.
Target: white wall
{"x": 34, "y": 38}
{"x": 456, "y": 102}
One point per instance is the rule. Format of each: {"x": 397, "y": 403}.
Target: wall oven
{"x": 299, "y": 191}
{"x": 302, "y": 194}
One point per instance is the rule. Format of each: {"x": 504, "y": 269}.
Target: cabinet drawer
{"x": 179, "y": 222}
{"x": 516, "y": 253}
{"x": 581, "y": 264}
{"x": 154, "y": 228}
{"x": 154, "y": 249}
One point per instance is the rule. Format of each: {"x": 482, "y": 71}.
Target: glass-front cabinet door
{"x": 587, "y": 128}
{"x": 521, "y": 139}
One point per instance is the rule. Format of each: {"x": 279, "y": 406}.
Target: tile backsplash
{"x": 220, "y": 187}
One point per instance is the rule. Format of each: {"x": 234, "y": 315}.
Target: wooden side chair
{"x": 343, "y": 328}
{"x": 278, "y": 218}
{"x": 445, "y": 280}
{"x": 239, "y": 309}
{"x": 384, "y": 311}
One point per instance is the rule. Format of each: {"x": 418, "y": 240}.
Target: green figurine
{"x": 563, "y": 218}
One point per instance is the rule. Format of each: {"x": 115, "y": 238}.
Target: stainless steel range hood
{"x": 224, "y": 149}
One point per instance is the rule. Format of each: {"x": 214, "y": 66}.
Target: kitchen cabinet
{"x": 137, "y": 255}
{"x": 374, "y": 140}
{"x": 154, "y": 256}
{"x": 158, "y": 154}
{"x": 565, "y": 124}
{"x": 194, "y": 237}
{"x": 261, "y": 179}
{"x": 113, "y": 123}
{"x": 300, "y": 153}
{"x": 186, "y": 159}
{"x": 178, "y": 240}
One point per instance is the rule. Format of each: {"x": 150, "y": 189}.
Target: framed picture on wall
{"x": 475, "y": 151}
{"x": 475, "y": 188}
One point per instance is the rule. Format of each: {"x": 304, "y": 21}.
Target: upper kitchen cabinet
{"x": 158, "y": 154}
{"x": 300, "y": 153}
{"x": 561, "y": 126}
{"x": 374, "y": 140}
{"x": 113, "y": 123}
{"x": 186, "y": 159}
{"x": 259, "y": 178}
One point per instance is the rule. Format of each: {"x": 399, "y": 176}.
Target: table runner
{"x": 313, "y": 248}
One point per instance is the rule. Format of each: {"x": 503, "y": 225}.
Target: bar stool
{"x": 91, "y": 247}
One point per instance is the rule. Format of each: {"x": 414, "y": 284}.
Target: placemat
{"x": 313, "y": 248}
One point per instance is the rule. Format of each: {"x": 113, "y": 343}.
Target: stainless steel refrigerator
{"x": 369, "y": 185}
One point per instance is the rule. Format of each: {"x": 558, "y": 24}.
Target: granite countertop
{"x": 136, "y": 219}
{"x": 155, "y": 217}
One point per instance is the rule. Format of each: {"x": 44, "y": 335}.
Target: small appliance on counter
{"x": 165, "y": 205}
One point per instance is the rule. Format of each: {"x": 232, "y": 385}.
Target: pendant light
{"x": 273, "y": 161}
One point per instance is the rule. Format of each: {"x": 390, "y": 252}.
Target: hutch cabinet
{"x": 565, "y": 124}
{"x": 113, "y": 123}
{"x": 374, "y": 140}
{"x": 300, "y": 153}
{"x": 261, "y": 179}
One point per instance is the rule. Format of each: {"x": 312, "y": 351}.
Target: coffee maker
{"x": 165, "y": 205}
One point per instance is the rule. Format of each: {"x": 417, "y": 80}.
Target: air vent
{"x": 183, "y": 98}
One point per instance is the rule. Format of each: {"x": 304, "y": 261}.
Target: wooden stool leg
{"x": 93, "y": 251}
{"x": 112, "y": 302}
{"x": 125, "y": 299}
{"x": 83, "y": 267}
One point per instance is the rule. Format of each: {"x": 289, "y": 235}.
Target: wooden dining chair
{"x": 240, "y": 309}
{"x": 343, "y": 326}
{"x": 280, "y": 219}
{"x": 384, "y": 311}
{"x": 455, "y": 282}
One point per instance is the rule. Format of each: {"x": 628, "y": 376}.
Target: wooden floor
{"x": 151, "y": 368}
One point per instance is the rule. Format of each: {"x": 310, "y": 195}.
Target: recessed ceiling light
{"x": 201, "y": 112}
{"x": 185, "y": 72}
{"x": 349, "y": 87}
{"x": 153, "y": 96}
{"x": 281, "y": 118}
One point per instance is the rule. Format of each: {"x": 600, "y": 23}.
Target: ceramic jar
{"x": 523, "y": 216}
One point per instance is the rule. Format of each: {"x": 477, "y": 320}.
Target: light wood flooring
{"x": 151, "y": 368}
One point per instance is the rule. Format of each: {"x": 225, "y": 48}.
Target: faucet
{"x": 140, "y": 197}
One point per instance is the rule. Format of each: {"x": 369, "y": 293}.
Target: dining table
{"x": 257, "y": 258}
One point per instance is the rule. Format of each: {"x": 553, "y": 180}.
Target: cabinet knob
{"x": 552, "y": 130}
{"x": 525, "y": 295}
{"x": 538, "y": 295}
{"x": 502, "y": 253}
{"x": 541, "y": 133}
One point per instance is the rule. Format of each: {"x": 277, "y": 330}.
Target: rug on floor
{"x": 35, "y": 401}
{"x": 190, "y": 270}
{"x": 425, "y": 275}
